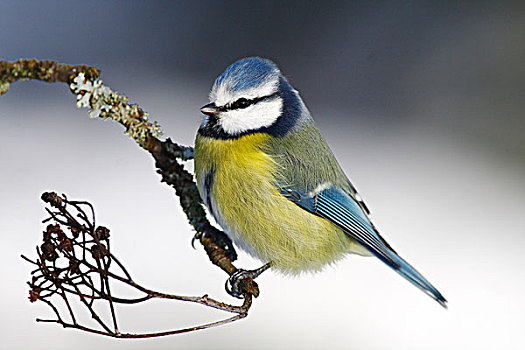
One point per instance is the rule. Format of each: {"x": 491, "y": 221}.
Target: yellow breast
{"x": 246, "y": 203}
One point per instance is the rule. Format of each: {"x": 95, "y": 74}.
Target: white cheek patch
{"x": 259, "y": 115}
{"x": 222, "y": 94}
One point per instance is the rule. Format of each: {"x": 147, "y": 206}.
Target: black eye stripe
{"x": 242, "y": 103}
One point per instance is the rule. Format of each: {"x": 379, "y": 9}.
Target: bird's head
{"x": 251, "y": 95}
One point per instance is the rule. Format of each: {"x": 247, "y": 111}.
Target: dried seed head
{"x": 52, "y": 198}
{"x": 66, "y": 245}
{"x": 48, "y": 251}
{"x": 74, "y": 231}
{"x": 101, "y": 233}
{"x": 98, "y": 252}
{"x": 34, "y": 294}
{"x": 74, "y": 267}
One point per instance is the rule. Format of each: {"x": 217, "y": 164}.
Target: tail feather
{"x": 411, "y": 274}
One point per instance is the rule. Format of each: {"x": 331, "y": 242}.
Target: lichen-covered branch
{"x": 108, "y": 104}
{"x": 105, "y": 103}
{"x": 48, "y": 71}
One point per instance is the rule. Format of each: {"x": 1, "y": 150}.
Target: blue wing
{"x": 349, "y": 215}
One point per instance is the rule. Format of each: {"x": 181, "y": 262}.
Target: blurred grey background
{"x": 422, "y": 103}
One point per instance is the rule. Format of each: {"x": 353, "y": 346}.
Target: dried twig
{"x": 75, "y": 262}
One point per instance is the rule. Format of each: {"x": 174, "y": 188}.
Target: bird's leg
{"x": 234, "y": 283}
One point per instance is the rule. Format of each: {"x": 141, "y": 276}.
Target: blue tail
{"x": 404, "y": 269}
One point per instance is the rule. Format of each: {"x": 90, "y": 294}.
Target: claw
{"x": 219, "y": 237}
{"x": 236, "y": 284}
{"x": 197, "y": 236}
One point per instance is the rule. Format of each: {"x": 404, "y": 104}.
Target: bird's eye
{"x": 241, "y": 103}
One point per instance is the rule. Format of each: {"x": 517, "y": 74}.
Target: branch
{"x": 48, "y": 71}
{"x": 105, "y": 103}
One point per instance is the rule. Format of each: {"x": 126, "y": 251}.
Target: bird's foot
{"x": 242, "y": 281}
{"x": 218, "y": 237}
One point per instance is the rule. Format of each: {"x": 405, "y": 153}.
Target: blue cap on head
{"x": 247, "y": 73}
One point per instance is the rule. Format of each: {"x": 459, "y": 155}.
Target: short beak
{"x": 209, "y": 109}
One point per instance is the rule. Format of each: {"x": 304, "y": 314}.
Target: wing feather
{"x": 346, "y": 212}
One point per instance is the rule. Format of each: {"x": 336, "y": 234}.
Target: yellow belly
{"x": 248, "y": 206}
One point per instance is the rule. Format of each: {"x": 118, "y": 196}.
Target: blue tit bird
{"x": 272, "y": 183}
